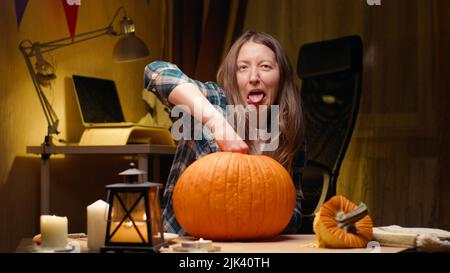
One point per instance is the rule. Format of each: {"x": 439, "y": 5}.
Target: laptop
{"x": 99, "y": 103}
{"x": 99, "y": 106}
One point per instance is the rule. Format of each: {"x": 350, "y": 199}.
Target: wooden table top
{"x": 303, "y": 243}
{"x": 115, "y": 149}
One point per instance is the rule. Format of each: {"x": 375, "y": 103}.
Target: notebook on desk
{"x": 100, "y": 108}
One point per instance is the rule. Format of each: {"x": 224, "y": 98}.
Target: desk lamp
{"x": 128, "y": 48}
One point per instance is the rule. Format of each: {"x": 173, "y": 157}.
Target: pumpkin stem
{"x": 346, "y": 220}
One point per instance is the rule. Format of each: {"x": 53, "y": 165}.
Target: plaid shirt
{"x": 161, "y": 78}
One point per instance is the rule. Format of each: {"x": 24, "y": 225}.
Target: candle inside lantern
{"x": 127, "y": 232}
{"x": 96, "y": 224}
{"x": 53, "y": 231}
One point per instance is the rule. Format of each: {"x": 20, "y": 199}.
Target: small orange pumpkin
{"x": 231, "y": 196}
{"x": 341, "y": 224}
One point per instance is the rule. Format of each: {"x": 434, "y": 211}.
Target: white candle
{"x": 96, "y": 224}
{"x": 53, "y": 231}
{"x": 204, "y": 243}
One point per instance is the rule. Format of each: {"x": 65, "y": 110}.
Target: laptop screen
{"x": 98, "y": 100}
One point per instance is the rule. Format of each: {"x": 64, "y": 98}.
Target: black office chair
{"x": 331, "y": 74}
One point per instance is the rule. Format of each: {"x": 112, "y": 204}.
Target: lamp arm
{"x": 56, "y": 44}
{"x": 35, "y": 48}
{"x": 29, "y": 51}
{"x": 50, "y": 115}
{"x": 52, "y": 45}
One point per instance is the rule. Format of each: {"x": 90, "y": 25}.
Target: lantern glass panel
{"x": 131, "y": 223}
{"x": 128, "y": 200}
{"x": 155, "y": 212}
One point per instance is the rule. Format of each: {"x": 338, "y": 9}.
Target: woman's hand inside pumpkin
{"x": 226, "y": 137}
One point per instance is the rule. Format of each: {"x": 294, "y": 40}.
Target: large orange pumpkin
{"x": 341, "y": 224}
{"x": 231, "y": 196}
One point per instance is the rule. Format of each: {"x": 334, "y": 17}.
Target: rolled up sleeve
{"x": 162, "y": 77}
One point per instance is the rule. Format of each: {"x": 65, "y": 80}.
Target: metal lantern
{"x": 134, "y": 215}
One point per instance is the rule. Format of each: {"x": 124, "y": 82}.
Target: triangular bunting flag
{"x": 20, "y": 10}
{"x": 71, "y": 11}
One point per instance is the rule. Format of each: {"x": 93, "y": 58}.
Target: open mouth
{"x": 256, "y": 96}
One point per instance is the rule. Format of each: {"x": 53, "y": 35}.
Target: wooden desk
{"x": 143, "y": 151}
{"x": 301, "y": 243}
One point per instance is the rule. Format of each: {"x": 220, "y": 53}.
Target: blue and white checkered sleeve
{"x": 162, "y": 77}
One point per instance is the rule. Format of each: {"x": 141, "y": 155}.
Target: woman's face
{"x": 257, "y": 74}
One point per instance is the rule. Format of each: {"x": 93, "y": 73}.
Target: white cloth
{"x": 430, "y": 243}
{"x": 424, "y": 239}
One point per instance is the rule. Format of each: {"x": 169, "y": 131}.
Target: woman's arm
{"x": 188, "y": 96}
{"x": 174, "y": 88}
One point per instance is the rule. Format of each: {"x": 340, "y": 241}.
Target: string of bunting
{"x": 70, "y": 10}
{"x": 20, "y": 5}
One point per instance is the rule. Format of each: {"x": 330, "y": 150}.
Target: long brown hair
{"x": 289, "y": 100}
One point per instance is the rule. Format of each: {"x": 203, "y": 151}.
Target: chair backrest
{"x": 331, "y": 73}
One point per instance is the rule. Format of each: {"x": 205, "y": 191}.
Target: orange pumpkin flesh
{"x": 330, "y": 235}
{"x": 231, "y": 196}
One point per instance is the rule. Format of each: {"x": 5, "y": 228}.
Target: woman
{"x": 256, "y": 72}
